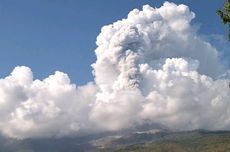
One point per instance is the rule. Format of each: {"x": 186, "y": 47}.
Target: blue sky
{"x": 60, "y": 34}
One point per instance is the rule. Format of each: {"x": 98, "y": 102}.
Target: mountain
{"x": 142, "y": 139}
{"x": 187, "y": 141}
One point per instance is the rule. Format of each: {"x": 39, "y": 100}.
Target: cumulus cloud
{"x": 51, "y": 107}
{"x": 151, "y": 67}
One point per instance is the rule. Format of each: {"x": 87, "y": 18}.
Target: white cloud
{"x": 151, "y": 66}
{"x": 52, "y": 107}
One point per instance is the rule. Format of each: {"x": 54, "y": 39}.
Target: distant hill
{"x": 190, "y": 141}
{"x": 141, "y": 140}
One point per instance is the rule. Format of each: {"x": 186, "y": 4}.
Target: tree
{"x": 224, "y": 14}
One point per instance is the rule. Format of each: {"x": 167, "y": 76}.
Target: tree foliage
{"x": 224, "y": 14}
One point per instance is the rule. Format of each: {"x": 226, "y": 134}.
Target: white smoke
{"x": 150, "y": 67}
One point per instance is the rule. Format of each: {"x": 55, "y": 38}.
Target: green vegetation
{"x": 200, "y": 141}
{"x": 187, "y": 141}
{"x": 224, "y": 13}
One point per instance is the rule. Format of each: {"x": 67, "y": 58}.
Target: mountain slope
{"x": 193, "y": 141}
{"x": 154, "y": 140}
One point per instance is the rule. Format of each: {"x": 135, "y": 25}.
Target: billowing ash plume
{"x": 151, "y": 67}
